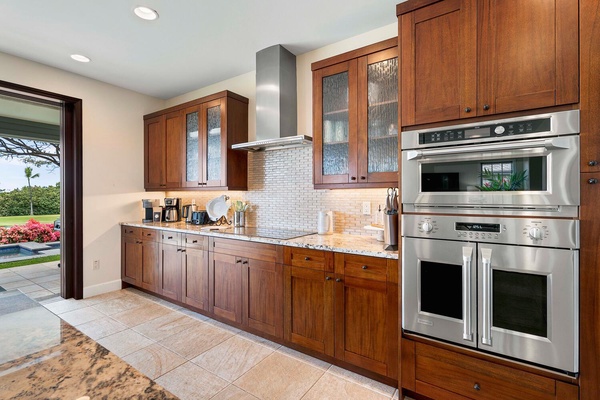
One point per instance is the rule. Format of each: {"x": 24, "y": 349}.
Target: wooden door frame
{"x": 71, "y": 186}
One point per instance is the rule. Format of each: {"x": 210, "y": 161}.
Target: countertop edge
{"x": 296, "y": 242}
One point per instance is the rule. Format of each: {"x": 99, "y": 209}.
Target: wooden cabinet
{"x": 189, "y": 146}
{"x": 195, "y": 271}
{"x": 308, "y": 310}
{"x": 162, "y": 151}
{"x": 139, "y": 257}
{"x": 366, "y": 312}
{"x": 442, "y": 374}
{"x": 246, "y": 284}
{"x": 355, "y": 118}
{"x": 170, "y": 265}
{"x": 468, "y": 58}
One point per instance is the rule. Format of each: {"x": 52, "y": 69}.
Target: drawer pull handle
{"x": 169, "y": 237}
{"x": 364, "y": 267}
{"x": 178, "y": 249}
{"x": 338, "y": 279}
{"x": 467, "y": 109}
{"x": 477, "y": 387}
{"x": 306, "y": 258}
{"x": 244, "y": 262}
{"x": 592, "y": 163}
{"x": 486, "y": 107}
{"x": 592, "y": 181}
{"x": 327, "y": 278}
{"x": 238, "y": 261}
{"x": 194, "y": 241}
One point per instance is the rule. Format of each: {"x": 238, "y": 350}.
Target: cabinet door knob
{"x": 364, "y": 267}
{"x": 477, "y": 387}
{"x": 352, "y": 178}
{"x": 592, "y": 163}
{"x": 362, "y": 178}
{"x": 592, "y": 181}
{"x": 306, "y": 258}
{"x": 467, "y": 109}
{"x": 178, "y": 249}
{"x": 238, "y": 261}
{"x": 486, "y": 107}
{"x": 183, "y": 250}
{"x": 199, "y": 183}
{"x": 338, "y": 279}
{"x": 327, "y": 278}
{"x": 245, "y": 262}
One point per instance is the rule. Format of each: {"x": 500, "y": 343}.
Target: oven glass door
{"x": 439, "y": 289}
{"x": 529, "y": 173}
{"x": 528, "y": 304}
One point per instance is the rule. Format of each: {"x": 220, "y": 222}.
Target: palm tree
{"x": 29, "y": 176}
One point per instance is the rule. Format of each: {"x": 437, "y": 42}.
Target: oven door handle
{"x": 486, "y": 258}
{"x": 548, "y": 144}
{"x": 466, "y": 276}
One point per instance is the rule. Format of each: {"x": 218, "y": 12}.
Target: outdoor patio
{"x": 39, "y": 281}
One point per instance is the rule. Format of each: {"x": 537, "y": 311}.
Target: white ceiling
{"x": 194, "y": 43}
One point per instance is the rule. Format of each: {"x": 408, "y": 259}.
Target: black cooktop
{"x": 269, "y": 233}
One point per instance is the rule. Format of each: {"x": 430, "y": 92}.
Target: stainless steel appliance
{"x": 172, "y": 209}
{"x": 503, "y": 285}
{"x": 518, "y": 166}
{"x": 148, "y": 206}
{"x": 187, "y": 212}
{"x": 200, "y": 218}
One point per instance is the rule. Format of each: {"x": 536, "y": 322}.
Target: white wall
{"x": 113, "y": 153}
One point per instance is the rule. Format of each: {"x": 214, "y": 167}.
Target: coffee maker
{"x": 172, "y": 209}
{"x": 148, "y": 206}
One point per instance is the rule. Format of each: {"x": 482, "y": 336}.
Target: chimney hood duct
{"x": 276, "y": 102}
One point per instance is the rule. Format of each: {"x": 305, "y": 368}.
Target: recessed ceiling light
{"x": 80, "y": 58}
{"x": 145, "y": 13}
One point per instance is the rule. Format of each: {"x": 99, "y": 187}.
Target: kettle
{"x": 187, "y": 211}
{"x": 325, "y": 223}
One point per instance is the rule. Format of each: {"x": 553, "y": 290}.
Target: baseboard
{"x": 102, "y": 288}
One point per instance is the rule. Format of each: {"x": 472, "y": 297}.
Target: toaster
{"x": 200, "y": 218}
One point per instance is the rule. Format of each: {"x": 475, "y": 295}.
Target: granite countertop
{"x": 337, "y": 242}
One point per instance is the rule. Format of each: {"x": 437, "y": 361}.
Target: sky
{"x": 12, "y": 175}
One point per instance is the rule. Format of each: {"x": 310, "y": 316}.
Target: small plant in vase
{"x": 239, "y": 211}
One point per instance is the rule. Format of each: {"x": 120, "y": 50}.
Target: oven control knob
{"x": 536, "y": 233}
{"x": 499, "y": 130}
{"x": 427, "y": 227}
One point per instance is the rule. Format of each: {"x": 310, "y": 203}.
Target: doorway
{"x": 71, "y": 193}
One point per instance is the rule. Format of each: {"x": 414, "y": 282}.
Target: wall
{"x": 281, "y": 195}
{"x": 113, "y": 147}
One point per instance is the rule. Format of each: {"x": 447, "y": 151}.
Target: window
{"x": 495, "y": 171}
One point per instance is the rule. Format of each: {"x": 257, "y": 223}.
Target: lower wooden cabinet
{"x": 443, "y": 374}
{"x": 226, "y": 287}
{"x": 139, "y": 257}
{"x": 195, "y": 271}
{"x": 262, "y": 296}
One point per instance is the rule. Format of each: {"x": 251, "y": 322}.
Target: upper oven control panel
{"x": 486, "y": 131}
{"x": 561, "y": 233}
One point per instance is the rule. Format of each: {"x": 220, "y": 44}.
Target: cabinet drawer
{"x": 246, "y": 249}
{"x": 171, "y": 238}
{"x": 306, "y": 258}
{"x": 196, "y": 242}
{"x": 364, "y": 267}
{"x": 478, "y": 379}
{"x": 130, "y": 231}
{"x": 150, "y": 234}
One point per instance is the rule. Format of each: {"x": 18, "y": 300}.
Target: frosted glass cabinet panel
{"x": 355, "y": 118}
{"x": 192, "y": 147}
{"x": 213, "y": 144}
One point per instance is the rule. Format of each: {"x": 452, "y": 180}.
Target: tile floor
{"x": 193, "y": 356}
{"x": 38, "y": 281}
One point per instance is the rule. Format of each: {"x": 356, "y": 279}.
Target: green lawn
{"x": 22, "y": 219}
{"x": 39, "y": 260}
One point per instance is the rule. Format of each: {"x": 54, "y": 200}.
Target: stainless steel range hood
{"x": 276, "y": 111}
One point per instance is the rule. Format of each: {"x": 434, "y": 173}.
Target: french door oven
{"x": 503, "y": 285}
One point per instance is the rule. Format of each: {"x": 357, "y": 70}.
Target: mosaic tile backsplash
{"x": 281, "y": 195}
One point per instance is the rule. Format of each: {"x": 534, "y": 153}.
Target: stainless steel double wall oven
{"x": 490, "y": 254}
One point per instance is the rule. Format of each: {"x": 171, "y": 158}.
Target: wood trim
{"x": 196, "y": 102}
{"x": 409, "y": 6}
{"x": 567, "y": 76}
{"x": 363, "y": 51}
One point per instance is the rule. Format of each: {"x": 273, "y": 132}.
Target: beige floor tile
{"x": 195, "y": 340}
{"x": 259, "y": 340}
{"x": 362, "y": 380}
{"x": 101, "y": 327}
{"x": 332, "y": 387}
{"x": 165, "y": 326}
{"x": 189, "y": 381}
{"x": 40, "y": 294}
{"x": 232, "y": 358}
{"x": 81, "y": 316}
{"x": 279, "y": 377}
{"x": 154, "y": 360}
{"x": 139, "y": 315}
{"x": 315, "y": 362}
{"x": 233, "y": 392}
{"x": 120, "y": 304}
{"x": 63, "y": 306}
{"x": 193, "y": 314}
{"x": 101, "y": 298}
{"x": 125, "y": 342}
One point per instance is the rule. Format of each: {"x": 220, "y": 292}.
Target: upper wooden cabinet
{"x": 189, "y": 146}
{"x": 355, "y": 118}
{"x": 468, "y": 58}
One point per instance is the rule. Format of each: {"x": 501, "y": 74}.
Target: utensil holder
{"x": 239, "y": 219}
{"x": 390, "y": 231}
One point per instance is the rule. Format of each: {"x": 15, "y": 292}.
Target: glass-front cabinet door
{"x": 214, "y": 146}
{"x": 192, "y": 145}
{"x": 336, "y": 128}
{"x": 378, "y": 117}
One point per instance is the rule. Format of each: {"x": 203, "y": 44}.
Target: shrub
{"x": 32, "y": 231}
